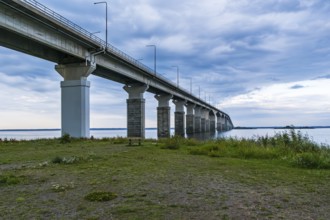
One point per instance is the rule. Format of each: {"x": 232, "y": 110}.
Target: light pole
{"x": 177, "y": 75}
{"x": 190, "y": 85}
{"x": 155, "y": 52}
{"x": 106, "y": 21}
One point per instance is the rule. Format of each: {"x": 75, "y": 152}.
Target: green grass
{"x": 290, "y": 147}
{"x": 224, "y": 179}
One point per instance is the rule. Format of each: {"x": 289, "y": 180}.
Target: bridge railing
{"x": 110, "y": 48}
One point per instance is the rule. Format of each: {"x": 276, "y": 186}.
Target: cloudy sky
{"x": 264, "y": 62}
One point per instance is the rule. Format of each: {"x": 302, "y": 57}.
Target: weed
{"x": 100, "y": 196}
{"x": 66, "y": 138}
{"x": 65, "y": 160}
{"x": 62, "y": 187}
{"x": 172, "y": 143}
{"x": 6, "y": 180}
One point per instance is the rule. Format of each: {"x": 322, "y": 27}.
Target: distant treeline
{"x": 285, "y": 127}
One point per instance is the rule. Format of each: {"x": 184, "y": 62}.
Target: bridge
{"x": 32, "y": 28}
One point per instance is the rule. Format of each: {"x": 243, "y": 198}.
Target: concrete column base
{"x": 179, "y": 123}
{"x": 136, "y": 118}
{"x": 190, "y": 124}
{"x": 75, "y": 108}
{"x": 163, "y": 122}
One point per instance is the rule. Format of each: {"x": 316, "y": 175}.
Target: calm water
{"x": 319, "y": 135}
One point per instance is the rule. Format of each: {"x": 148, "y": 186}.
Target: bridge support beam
{"x": 190, "y": 119}
{"x": 179, "y": 117}
{"x": 75, "y": 98}
{"x": 163, "y": 115}
{"x": 135, "y": 110}
{"x": 198, "y": 119}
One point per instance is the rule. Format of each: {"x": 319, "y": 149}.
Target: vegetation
{"x": 281, "y": 177}
{"x": 292, "y": 147}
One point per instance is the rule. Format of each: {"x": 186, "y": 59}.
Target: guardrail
{"x": 110, "y": 48}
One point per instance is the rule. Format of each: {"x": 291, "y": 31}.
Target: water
{"x": 319, "y": 135}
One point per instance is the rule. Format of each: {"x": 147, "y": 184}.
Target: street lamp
{"x": 177, "y": 75}
{"x": 106, "y": 21}
{"x": 96, "y": 32}
{"x": 155, "y": 52}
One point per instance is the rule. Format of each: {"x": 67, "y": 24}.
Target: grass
{"x": 168, "y": 179}
{"x": 290, "y": 147}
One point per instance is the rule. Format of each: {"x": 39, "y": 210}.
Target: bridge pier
{"x": 163, "y": 115}
{"x": 207, "y": 120}
{"x": 212, "y": 122}
{"x": 226, "y": 124}
{"x": 135, "y": 110}
{"x": 203, "y": 121}
{"x": 190, "y": 119}
{"x": 75, "y": 98}
{"x": 198, "y": 119}
{"x": 179, "y": 117}
{"x": 219, "y": 127}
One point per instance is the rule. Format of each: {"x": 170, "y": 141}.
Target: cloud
{"x": 296, "y": 86}
{"x": 227, "y": 48}
{"x": 279, "y": 101}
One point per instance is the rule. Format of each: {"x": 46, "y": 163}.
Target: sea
{"x": 318, "y": 135}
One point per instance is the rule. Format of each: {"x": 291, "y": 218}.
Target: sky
{"x": 265, "y": 63}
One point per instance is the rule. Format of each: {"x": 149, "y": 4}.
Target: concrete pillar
{"x": 136, "y": 110}
{"x": 223, "y": 123}
{"x": 219, "y": 118}
{"x": 203, "y": 121}
{"x": 163, "y": 115}
{"x": 212, "y": 122}
{"x": 226, "y": 123}
{"x": 179, "y": 117}
{"x": 190, "y": 119}
{"x": 207, "y": 120}
{"x": 75, "y": 98}
{"x": 198, "y": 119}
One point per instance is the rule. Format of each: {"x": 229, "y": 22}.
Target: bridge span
{"x": 32, "y": 28}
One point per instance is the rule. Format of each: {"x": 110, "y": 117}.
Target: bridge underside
{"x": 29, "y": 30}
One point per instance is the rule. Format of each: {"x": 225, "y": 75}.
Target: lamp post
{"x": 155, "y": 52}
{"x": 190, "y": 85}
{"x": 177, "y": 75}
{"x": 106, "y": 21}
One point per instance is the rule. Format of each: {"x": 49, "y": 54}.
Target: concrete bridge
{"x": 30, "y": 27}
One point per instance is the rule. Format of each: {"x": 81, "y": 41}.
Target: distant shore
{"x": 280, "y": 127}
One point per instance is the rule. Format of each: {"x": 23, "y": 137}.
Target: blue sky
{"x": 263, "y": 62}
